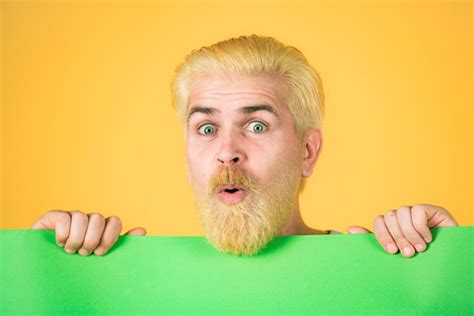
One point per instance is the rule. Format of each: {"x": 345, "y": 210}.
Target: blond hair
{"x": 256, "y": 55}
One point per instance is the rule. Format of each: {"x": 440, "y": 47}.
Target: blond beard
{"x": 248, "y": 226}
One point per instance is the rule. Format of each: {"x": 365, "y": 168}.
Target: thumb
{"x": 357, "y": 230}
{"x": 54, "y": 219}
{"x": 137, "y": 231}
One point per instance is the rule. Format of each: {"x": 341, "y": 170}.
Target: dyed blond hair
{"x": 256, "y": 55}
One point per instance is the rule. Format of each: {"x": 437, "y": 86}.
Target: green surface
{"x": 296, "y": 275}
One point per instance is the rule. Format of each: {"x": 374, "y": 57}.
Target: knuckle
{"x": 62, "y": 216}
{"x": 402, "y": 210}
{"x": 53, "y": 212}
{"x": 396, "y": 234}
{"x": 79, "y": 216}
{"x": 421, "y": 227}
{"x": 96, "y": 216}
{"x": 377, "y": 220}
{"x": 418, "y": 208}
{"x": 413, "y": 237}
{"x": 378, "y": 225}
{"x": 115, "y": 221}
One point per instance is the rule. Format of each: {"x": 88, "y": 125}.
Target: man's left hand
{"x": 407, "y": 228}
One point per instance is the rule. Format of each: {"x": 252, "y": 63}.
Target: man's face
{"x": 244, "y": 159}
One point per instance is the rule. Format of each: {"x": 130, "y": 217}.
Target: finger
{"x": 137, "y": 231}
{"x": 420, "y": 222}
{"x": 408, "y": 230}
{"x": 383, "y": 235}
{"x": 79, "y": 222}
{"x": 63, "y": 227}
{"x": 94, "y": 232}
{"x": 437, "y": 216}
{"x": 357, "y": 230}
{"x": 113, "y": 227}
{"x": 59, "y": 221}
{"x": 391, "y": 220}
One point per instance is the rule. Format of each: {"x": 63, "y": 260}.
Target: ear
{"x": 313, "y": 143}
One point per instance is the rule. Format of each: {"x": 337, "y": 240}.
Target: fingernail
{"x": 420, "y": 247}
{"x": 428, "y": 239}
{"x": 407, "y": 251}
{"x": 392, "y": 248}
{"x": 60, "y": 244}
{"x": 84, "y": 252}
{"x": 70, "y": 251}
{"x": 99, "y": 251}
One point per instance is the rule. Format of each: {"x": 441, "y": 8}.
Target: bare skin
{"x": 404, "y": 227}
{"x": 219, "y": 103}
{"x": 84, "y": 233}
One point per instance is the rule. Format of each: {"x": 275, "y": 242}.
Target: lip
{"x": 231, "y": 198}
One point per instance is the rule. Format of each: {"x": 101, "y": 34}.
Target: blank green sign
{"x": 296, "y": 275}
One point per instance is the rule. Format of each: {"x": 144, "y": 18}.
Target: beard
{"x": 246, "y": 227}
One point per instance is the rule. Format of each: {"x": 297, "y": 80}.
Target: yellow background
{"x": 87, "y": 122}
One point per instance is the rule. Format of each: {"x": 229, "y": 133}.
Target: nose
{"x": 229, "y": 152}
{"x": 228, "y": 162}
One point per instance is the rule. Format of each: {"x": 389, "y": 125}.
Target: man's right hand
{"x": 84, "y": 233}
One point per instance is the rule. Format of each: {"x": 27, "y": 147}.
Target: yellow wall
{"x": 88, "y": 125}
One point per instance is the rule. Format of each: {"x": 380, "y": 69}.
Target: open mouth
{"x": 231, "y": 194}
{"x": 230, "y": 188}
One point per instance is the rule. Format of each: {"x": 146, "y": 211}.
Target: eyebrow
{"x": 259, "y": 107}
{"x": 243, "y": 110}
{"x": 202, "y": 109}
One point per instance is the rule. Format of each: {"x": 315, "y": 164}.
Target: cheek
{"x": 265, "y": 159}
{"x": 197, "y": 164}
{"x": 275, "y": 158}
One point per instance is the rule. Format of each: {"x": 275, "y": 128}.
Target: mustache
{"x": 231, "y": 175}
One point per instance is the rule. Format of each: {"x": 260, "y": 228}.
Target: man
{"x": 252, "y": 110}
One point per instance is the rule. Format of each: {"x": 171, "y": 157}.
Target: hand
{"x": 407, "y": 228}
{"x": 86, "y": 232}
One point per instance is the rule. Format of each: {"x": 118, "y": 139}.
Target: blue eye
{"x": 206, "y": 129}
{"x": 257, "y": 127}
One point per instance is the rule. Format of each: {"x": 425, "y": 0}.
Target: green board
{"x": 295, "y": 275}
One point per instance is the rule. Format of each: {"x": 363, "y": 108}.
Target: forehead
{"x": 217, "y": 90}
